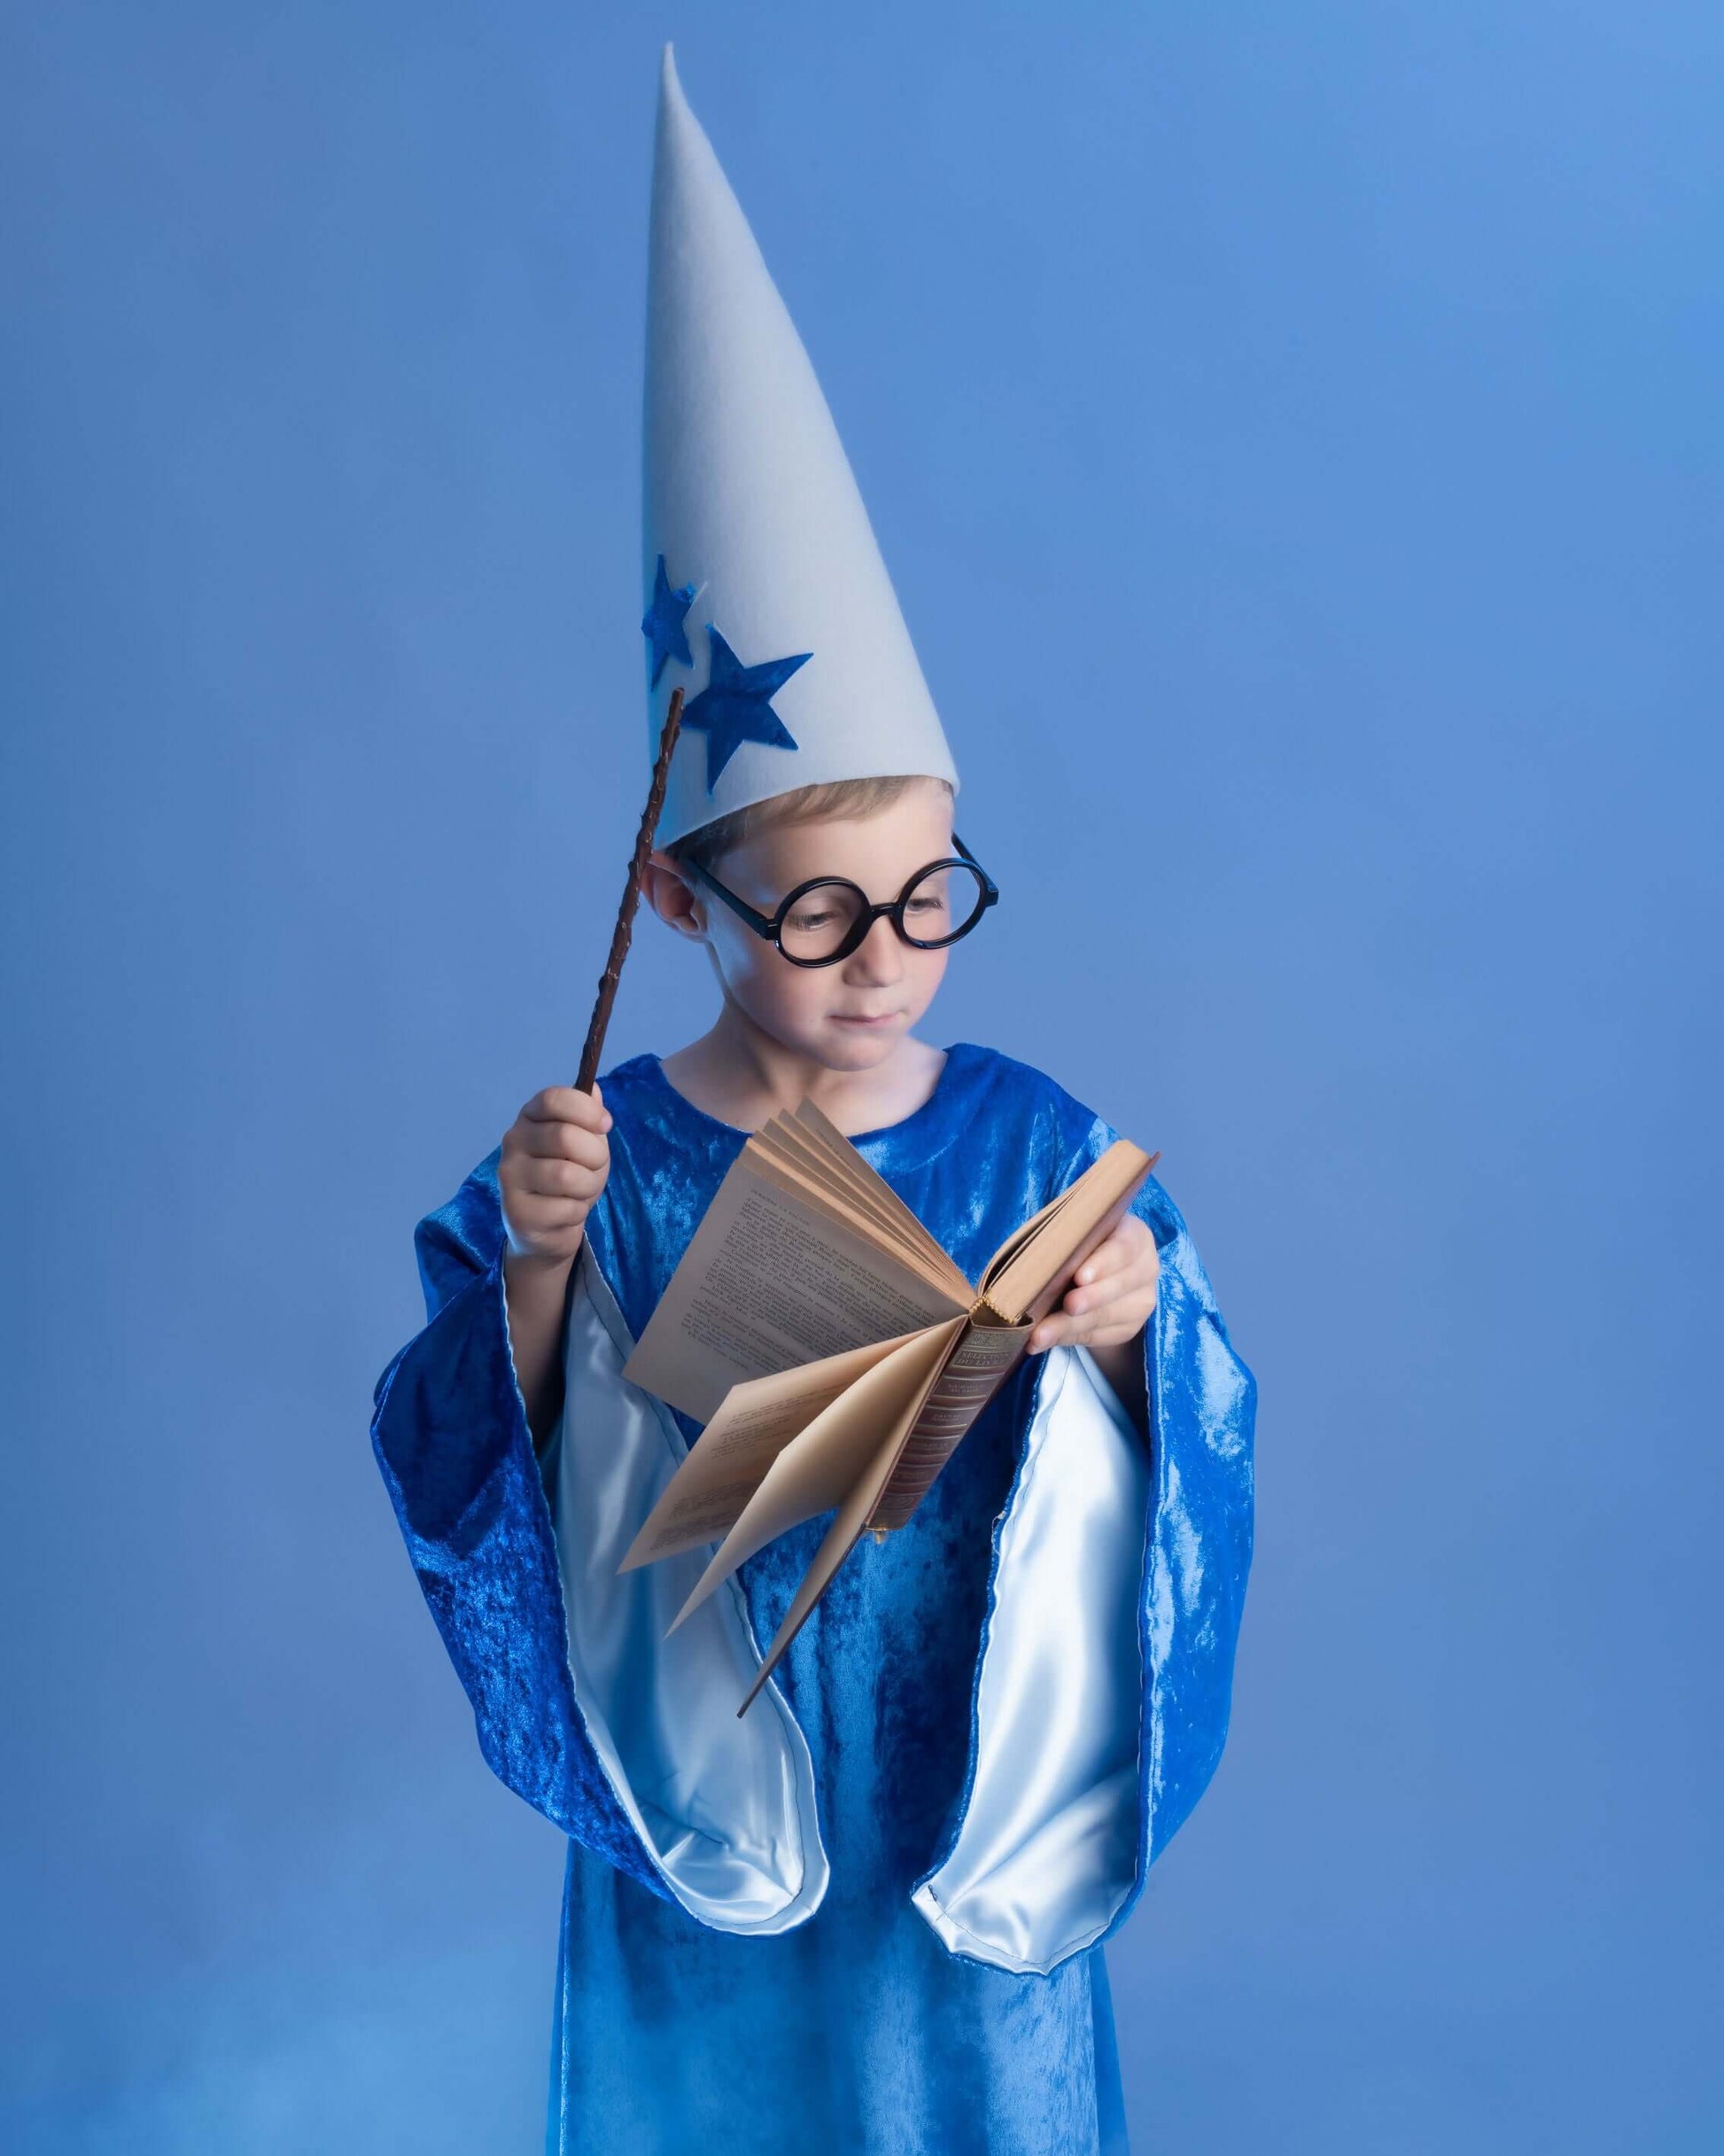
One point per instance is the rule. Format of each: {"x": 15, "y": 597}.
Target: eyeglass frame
{"x": 771, "y": 927}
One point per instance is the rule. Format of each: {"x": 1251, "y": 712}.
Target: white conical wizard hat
{"x": 767, "y": 602}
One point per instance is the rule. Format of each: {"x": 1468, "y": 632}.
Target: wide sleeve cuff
{"x": 1044, "y": 1854}
{"x": 1105, "y": 1677}
{"x": 723, "y": 1807}
{"x": 450, "y": 1433}
{"x": 627, "y": 1741}
{"x": 1203, "y": 1404}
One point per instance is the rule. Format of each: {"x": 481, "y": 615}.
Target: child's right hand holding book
{"x": 555, "y": 1157}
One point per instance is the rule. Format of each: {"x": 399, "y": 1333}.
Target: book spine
{"x": 983, "y": 1358}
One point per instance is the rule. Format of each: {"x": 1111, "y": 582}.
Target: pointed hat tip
{"x": 676, "y": 121}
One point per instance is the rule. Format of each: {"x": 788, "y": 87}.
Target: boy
{"x": 867, "y": 1915}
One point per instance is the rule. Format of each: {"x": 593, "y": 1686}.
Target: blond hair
{"x": 850, "y": 799}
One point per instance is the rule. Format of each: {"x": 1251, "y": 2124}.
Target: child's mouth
{"x": 864, "y": 1019}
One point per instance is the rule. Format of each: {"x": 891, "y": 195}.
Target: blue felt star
{"x": 661, "y": 623}
{"x": 735, "y": 705}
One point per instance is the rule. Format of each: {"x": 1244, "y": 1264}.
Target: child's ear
{"x": 674, "y": 897}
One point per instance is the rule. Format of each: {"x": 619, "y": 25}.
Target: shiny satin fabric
{"x": 859, "y": 2027}
{"x": 724, "y": 1807}
{"x": 1045, "y": 1851}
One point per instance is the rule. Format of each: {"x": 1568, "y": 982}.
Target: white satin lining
{"x": 1047, "y": 1851}
{"x": 725, "y": 1808}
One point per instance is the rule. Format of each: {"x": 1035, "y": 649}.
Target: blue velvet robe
{"x": 857, "y": 2030}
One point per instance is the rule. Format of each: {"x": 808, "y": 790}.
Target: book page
{"x": 854, "y": 1515}
{"x": 1038, "y": 1267}
{"x": 824, "y": 1466}
{"x": 704, "y": 1499}
{"x": 795, "y": 1153}
{"x": 845, "y": 1159}
{"x": 771, "y": 1279}
{"x": 816, "y": 1186}
{"x": 1020, "y": 1238}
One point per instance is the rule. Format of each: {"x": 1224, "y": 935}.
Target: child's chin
{"x": 845, "y": 1048}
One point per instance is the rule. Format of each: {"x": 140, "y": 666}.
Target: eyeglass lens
{"x": 937, "y": 909}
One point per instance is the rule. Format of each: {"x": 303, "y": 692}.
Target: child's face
{"x": 850, "y": 1016}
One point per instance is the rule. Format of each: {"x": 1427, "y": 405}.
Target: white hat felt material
{"x": 767, "y": 602}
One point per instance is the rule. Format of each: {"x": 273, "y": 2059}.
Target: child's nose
{"x": 878, "y": 957}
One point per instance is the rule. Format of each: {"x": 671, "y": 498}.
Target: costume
{"x": 747, "y": 1961}
{"x": 865, "y": 1916}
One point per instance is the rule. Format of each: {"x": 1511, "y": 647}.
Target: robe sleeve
{"x": 1105, "y": 1674}
{"x": 1203, "y": 1406}
{"x": 624, "y": 1738}
{"x": 450, "y": 1434}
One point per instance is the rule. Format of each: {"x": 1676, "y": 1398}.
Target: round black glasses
{"x": 826, "y": 919}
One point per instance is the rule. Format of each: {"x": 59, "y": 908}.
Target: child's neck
{"x": 744, "y": 1077}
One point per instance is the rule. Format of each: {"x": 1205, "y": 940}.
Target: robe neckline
{"x": 891, "y": 1149}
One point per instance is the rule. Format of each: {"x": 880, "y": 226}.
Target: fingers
{"x": 1112, "y": 1297}
{"x": 555, "y": 1158}
{"x": 547, "y": 1223}
{"x": 1100, "y": 1328}
{"x": 535, "y": 1176}
{"x": 560, "y": 1123}
{"x": 563, "y": 1104}
{"x": 1119, "y": 1252}
{"x": 1130, "y": 1243}
{"x": 1123, "y": 1267}
{"x": 566, "y": 1141}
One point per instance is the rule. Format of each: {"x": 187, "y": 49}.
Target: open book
{"x": 834, "y": 1351}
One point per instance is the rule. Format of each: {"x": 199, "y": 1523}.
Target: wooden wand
{"x": 624, "y": 927}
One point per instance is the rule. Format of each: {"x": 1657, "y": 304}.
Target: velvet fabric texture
{"x": 857, "y": 2030}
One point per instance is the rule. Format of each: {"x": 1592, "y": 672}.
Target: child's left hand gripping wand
{"x": 624, "y": 927}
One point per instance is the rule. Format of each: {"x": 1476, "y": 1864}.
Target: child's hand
{"x": 554, "y": 1167}
{"x": 1111, "y": 1300}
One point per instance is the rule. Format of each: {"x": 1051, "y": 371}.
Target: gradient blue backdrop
{"x": 1295, "y": 433}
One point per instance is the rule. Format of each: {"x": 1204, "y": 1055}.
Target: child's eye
{"x": 925, "y": 904}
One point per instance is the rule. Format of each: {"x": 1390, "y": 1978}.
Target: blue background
{"x": 1296, "y": 436}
